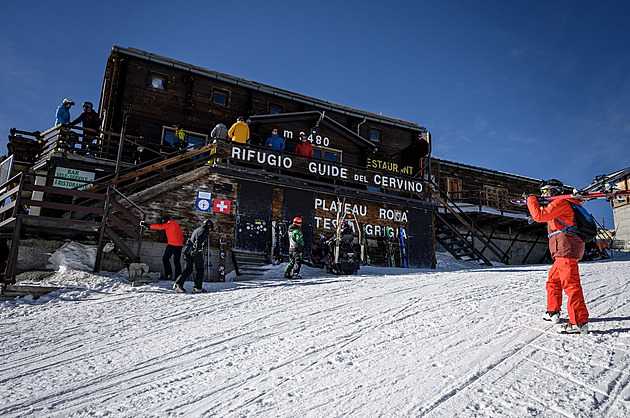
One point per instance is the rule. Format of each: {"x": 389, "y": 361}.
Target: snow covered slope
{"x": 457, "y": 341}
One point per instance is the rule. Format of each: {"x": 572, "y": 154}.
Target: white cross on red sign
{"x": 222, "y": 206}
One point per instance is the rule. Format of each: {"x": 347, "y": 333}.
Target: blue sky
{"x": 536, "y": 88}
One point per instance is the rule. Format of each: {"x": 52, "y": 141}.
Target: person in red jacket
{"x": 175, "y": 243}
{"x": 566, "y": 249}
{"x": 304, "y": 147}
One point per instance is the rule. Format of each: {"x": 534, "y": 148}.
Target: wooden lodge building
{"x": 79, "y": 183}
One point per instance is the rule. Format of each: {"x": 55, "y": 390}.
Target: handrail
{"x": 11, "y": 180}
{"x": 443, "y": 198}
{"x": 103, "y": 210}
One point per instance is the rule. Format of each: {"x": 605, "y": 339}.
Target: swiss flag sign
{"x": 222, "y": 206}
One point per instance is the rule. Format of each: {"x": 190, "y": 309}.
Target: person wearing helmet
{"x": 296, "y": 247}
{"x": 89, "y": 118}
{"x": 239, "y": 132}
{"x": 175, "y": 243}
{"x": 304, "y": 147}
{"x": 193, "y": 254}
{"x": 566, "y": 250}
{"x": 63, "y": 112}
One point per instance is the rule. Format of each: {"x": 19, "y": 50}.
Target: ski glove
{"x": 144, "y": 224}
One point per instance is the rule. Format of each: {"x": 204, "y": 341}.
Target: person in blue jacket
{"x": 63, "y": 112}
{"x": 275, "y": 142}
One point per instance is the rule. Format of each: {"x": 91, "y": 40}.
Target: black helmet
{"x": 553, "y": 186}
{"x": 89, "y": 105}
{"x": 208, "y": 224}
{"x": 165, "y": 219}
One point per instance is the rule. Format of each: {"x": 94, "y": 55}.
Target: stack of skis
{"x": 395, "y": 257}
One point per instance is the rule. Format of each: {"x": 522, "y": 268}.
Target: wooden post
{"x": 101, "y": 232}
{"x": 15, "y": 242}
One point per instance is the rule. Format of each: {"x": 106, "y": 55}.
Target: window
{"x": 157, "y": 81}
{"x": 221, "y": 97}
{"x": 327, "y": 155}
{"x": 375, "y": 135}
{"x": 275, "y": 108}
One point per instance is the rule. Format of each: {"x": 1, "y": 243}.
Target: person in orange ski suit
{"x": 566, "y": 250}
{"x": 175, "y": 243}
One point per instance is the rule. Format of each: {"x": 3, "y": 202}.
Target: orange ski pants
{"x": 565, "y": 275}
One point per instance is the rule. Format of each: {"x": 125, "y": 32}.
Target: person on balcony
{"x": 239, "y": 132}
{"x": 63, "y": 112}
{"x": 89, "y": 119}
{"x": 304, "y": 147}
{"x": 66, "y": 138}
{"x": 180, "y": 142}
{"x": 175, "y": 243}
{"x": 219, "y": 132}
{"x": 275, "y": 143}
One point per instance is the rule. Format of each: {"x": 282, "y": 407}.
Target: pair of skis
{"x": 586, "y": 196}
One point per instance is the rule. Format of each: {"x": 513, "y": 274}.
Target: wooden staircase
{"x": 104, "y": 219}
{"x": 152, "y": 172}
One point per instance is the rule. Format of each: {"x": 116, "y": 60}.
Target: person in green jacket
{"x": 296, "y": 247}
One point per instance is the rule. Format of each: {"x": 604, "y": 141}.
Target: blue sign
{"x": 203, "y": 201}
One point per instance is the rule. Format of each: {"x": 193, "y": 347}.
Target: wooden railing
{"x": 494, "y": 199}
{"x": 33, "y": 146}
{"x": 57, "y": 209}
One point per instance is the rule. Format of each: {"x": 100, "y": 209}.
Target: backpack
{"x": 585, "y": 227}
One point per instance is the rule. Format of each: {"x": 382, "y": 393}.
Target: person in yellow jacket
{"x": 180, "y": 141}
{"x": 239, "y": 132}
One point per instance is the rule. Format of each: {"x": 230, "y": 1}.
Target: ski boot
{"x": 553, "y": 316}
{"x": 573, "y": 329}
{"x": 200, "y": 290}
{"x": 179, "y": 288}
{"x": 296, "y": 276}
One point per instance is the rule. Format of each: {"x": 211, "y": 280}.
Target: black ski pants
{"x": 192, "y": 260}
{"x": 295, "y": 263}
{"x": 176, "y": 253}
